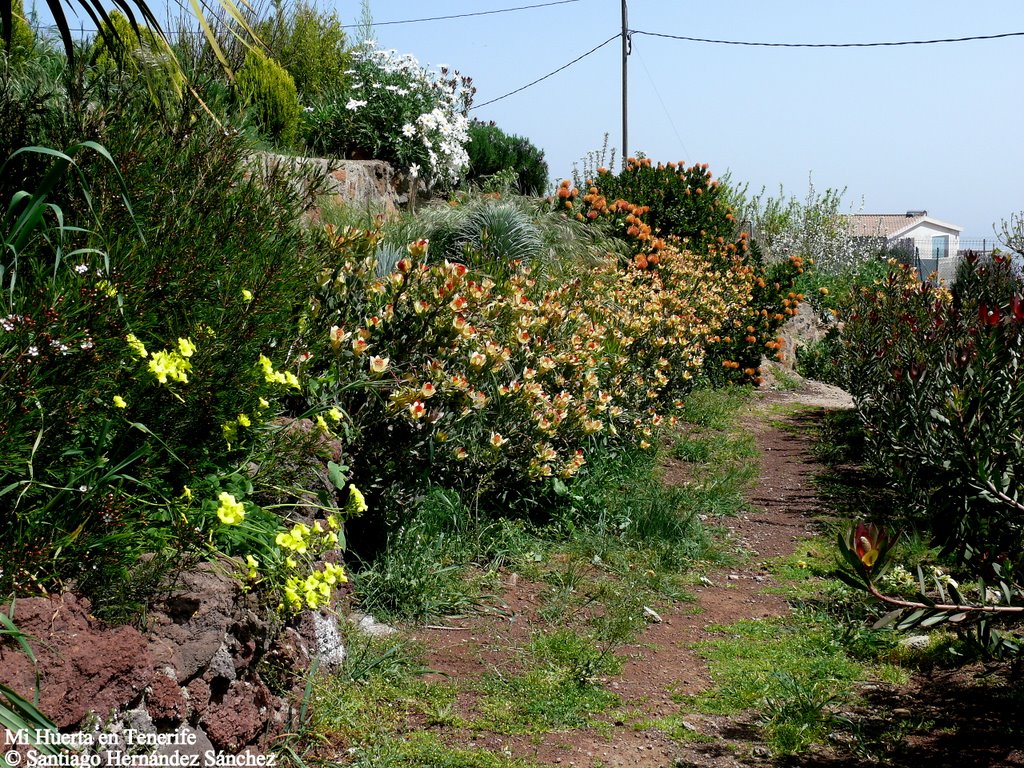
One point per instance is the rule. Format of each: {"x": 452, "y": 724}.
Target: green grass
{"x": 427, "y": 750}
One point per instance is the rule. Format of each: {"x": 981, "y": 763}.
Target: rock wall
{"x": 364, "y": 184}
{"x": 208, "y": 664}
{"x": 803, "y": 328}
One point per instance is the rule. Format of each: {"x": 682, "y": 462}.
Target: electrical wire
{"x": 664, "y": 108}
{"x": 439, "y": 18}
{"x": 827, "y": 45}
{"x": 596, "y": 48}
{"x": 463, "y": 15}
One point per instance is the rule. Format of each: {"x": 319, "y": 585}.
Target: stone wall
{"x": 363, "y": 184}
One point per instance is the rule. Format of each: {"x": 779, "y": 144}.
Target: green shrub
{"x": 492, "y": 151}
{"x": 267, "y": 92}
{"x": 23, "y": 37}
{"x": 143, "y": 56}
{"x": 937, "y": 381}
{"x": 310, "y": 44}
{"x": 99, "y": 460}
{"x": 822, "y": 360}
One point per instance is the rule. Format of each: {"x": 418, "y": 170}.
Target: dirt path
{"x": 662, "y": 662}
{"x": 961, "y": 716}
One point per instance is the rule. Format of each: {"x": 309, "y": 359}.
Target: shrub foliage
{"x": 937, "y": 378}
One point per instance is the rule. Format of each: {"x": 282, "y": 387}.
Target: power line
{"x": 431, "y": 18}
{"x": 828, "y": 45}
{"x": 463, "y": 15}
{"x": 550, "y": 74}
{"x": 664, "y": 108}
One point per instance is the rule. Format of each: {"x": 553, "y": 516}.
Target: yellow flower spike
{"x": 186, "y": 493}
{"x": 334, "y": 414}
{"x": 356, "y": 501}
{"x": 290, "y": 562}
{"x": 119, "y": 402}
{"x": 243, "y": 420}
{"x": 246, "y": 294}
{"x": 253, "y": 565}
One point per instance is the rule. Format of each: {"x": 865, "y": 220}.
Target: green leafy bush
{"x": 134, "y": 390}
{"x": 937, "y": 379}
{"x": 145, "y": 58}
{"x": 310, "y": 44}
{"x": 268, "y": 93}
{"x": 492, "y": 151}
{"x": 23, "y": 38}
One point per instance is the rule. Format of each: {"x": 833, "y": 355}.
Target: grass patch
{"x": 790, "y": 670}
{"x": 428, "y": 750}
{"x": 558, "y": 690}
{"x": 714, "y": 409}
{"x": 377, "y": 690}
{"x": 541, "y": 701}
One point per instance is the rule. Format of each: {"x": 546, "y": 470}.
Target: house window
{"x": 940, "y": 246}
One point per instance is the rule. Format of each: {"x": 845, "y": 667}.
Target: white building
{"x": 930, "y": 244}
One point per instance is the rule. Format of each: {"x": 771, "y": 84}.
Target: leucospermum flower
{"x": 230, "y": 511}
{"x": 417, "y": 410}
{"x": 379, "y": 364}
{"x": 497, "y": 440}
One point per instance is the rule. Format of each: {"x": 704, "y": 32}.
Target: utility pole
{"x": 626, "y": 44}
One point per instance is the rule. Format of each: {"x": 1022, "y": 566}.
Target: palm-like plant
{"x": 139, "y": 13}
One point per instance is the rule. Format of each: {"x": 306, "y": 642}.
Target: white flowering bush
{"x": 391, "y": 108}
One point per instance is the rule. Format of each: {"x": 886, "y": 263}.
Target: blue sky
{"x": 932, "y": 128}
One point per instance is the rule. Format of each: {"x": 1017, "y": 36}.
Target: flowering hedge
{"x": 675, "y": 207}
{"x": 483, "y": 383}
{"x": 393, "y": 109}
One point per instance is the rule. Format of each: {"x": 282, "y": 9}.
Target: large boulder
{"x": 83, "y": 665}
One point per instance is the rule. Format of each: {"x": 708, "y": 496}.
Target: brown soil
{"x": 967, "y": 725}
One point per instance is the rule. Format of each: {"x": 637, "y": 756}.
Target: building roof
{"x": 891, "y": 225}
